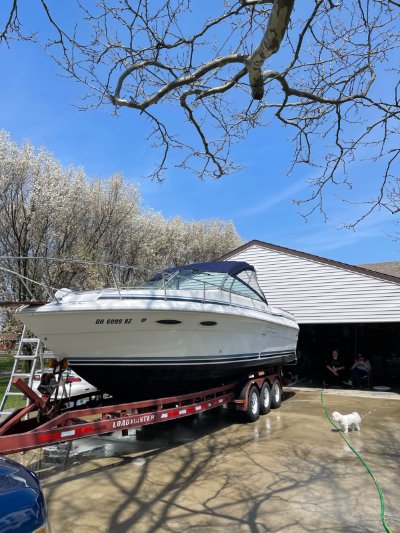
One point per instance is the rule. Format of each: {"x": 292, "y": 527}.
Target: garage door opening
{"x": 380, "y": 343}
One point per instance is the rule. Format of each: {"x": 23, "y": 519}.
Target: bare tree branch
{"x": 326, "y": 70}
{"x": 270, "y": 43}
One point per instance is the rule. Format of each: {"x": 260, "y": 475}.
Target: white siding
{"x": 316, "y": 292}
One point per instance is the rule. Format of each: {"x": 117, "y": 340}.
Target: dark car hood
{"x": 22, "y": 506}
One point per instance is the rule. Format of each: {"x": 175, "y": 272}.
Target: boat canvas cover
{"x": 233, "y": 268}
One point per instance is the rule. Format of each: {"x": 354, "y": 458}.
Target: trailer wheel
{"x": 276, "y": 394}
{"x": 253, "y": 404}
{"x": 265, "y": 398}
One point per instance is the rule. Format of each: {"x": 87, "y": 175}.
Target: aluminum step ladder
{"x": 29, "y": 355}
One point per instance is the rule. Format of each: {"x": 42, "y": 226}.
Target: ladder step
{"x": 29, "y": 349}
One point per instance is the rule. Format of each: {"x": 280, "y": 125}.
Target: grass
{"x": 6, "y": 364}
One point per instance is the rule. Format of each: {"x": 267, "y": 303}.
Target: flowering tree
{"x": 47, "y": 211}
{"x": 326, "y": 70}
{"x": 158, "y": 242}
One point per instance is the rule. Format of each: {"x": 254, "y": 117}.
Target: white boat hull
{"x": 126, "y": 351}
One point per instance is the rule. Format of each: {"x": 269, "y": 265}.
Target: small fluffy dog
{"x": 347, "y": 421}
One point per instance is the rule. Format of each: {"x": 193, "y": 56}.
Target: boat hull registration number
{"x": 115, "y": 321}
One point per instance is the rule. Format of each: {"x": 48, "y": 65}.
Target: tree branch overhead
{"x": 327, "y": 71}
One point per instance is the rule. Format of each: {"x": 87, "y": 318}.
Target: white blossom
{"x": 47, "y": 211}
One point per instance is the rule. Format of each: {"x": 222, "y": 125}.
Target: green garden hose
{"x": 387, "y": 528}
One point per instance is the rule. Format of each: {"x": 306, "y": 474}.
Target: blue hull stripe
{"x": 193, "y": 360}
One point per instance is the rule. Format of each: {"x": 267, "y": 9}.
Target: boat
{"x": 188, "y": 328}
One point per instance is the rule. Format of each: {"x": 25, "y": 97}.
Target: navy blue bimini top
{"x": 233, "y": 268}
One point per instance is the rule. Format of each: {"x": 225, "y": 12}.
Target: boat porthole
{"x": 169, "y": 322}
{"x": 208, "y": 323}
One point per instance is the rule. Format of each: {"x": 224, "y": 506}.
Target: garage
{"x": 350, "y": 308}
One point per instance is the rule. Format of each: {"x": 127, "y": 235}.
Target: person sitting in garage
{"x": 359, "y": 371}
{"x": 335, "y": 370}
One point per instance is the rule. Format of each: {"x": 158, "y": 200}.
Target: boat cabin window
{"x": 190, "y": 280}
{"x": 250, "y": 278}
{"x": 245, "y": 283}
{"x": 239, "y": 288}
{"x": 169, "y": 322}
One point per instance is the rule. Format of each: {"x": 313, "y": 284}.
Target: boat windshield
{"x": 245, "y": 283}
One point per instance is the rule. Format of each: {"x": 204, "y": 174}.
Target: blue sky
{"x": 38, "y": 104}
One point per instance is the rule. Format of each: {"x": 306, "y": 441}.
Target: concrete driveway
{"x": 290, "y": 471}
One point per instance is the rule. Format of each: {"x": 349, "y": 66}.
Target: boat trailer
{"x": 46, "y": 421}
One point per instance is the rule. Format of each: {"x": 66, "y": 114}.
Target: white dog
{"x": 347, "y": 421}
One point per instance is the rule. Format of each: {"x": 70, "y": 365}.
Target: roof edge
{"x": 317, "y": 258}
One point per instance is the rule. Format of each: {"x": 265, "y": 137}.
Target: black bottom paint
{"x": 127, "y": 382}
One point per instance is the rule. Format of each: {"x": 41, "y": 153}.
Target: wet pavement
{"x": 289, "y": 471}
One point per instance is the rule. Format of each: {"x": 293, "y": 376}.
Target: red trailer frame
{"x": 55, "y": 424}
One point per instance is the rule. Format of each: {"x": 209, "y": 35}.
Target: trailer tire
{"x": 265, "y": 398}
{"x": 253, "y": 404}
{"x": 276, "y": 394}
